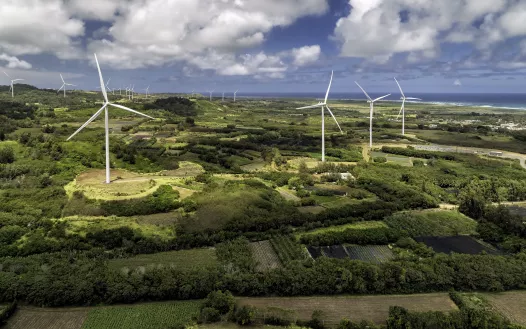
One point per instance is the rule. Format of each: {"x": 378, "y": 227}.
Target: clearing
{"x": 265, "y": 256}
{"x": 47, "y": 318}
{"x": 356, "y": 308}
{"x": 511, "y": 304}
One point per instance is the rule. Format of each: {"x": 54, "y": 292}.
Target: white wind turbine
{"x": 402, "y": 109}
{"x": 108, "y": 88}
{"x": 106, "y": 125}
{"x": 223, "y": 99}
{"x": 235, "y": 92}
{"x": 12, "y": 88}
{"x": 211, "y": 94}
{"x": 64, "y": 84}
{"x": 323, "y": 106}
{"x": 371, "y": 102}
{"x": 132, "y": 91}
{"x": 147, "y": 89}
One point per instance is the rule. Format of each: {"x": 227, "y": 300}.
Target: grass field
{"x": 511, "y": 304}
{"x": 432, "y": 223}
{"x": 356, "y": 226}
{"x": 182, "y": 259}
{"x": 48, "y": 318}
{"x": 142, "y": 316}
{"x": 356, "y": 308}
{"x": 265, "y": 256}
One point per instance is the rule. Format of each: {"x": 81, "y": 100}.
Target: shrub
{"x": 7, "y": 154}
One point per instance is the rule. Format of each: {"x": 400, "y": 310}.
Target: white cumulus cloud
{"x": 306, "y": 55}
{"x": 14, "y": 63}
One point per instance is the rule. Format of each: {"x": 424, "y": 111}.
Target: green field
{"x": 181, "y": 259}
{"x": 143, "y": 316}
{"x": 432, "y": 223}
{"x": 339, "y": 228}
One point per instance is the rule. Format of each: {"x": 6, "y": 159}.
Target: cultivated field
{"x": 432, "y": 223}
{"x": 287, "y": 249}
{"x": 47, "y": 318}
{"x": 356, "y": 308}
{"x": 373, "y": 254}
{"x": 142, "y": 316}
{"x": 181, "y": 259}
{"x": 338, "y": 228}
{"x": 265, "y": 255}
{"x": 511, "y": 304}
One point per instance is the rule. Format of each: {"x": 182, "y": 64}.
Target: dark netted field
{"x": 458, "y": 244}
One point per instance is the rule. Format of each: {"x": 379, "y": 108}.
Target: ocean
{"x": 508, "y": 101}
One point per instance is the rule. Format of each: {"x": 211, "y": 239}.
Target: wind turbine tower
{"x": 223, "y": 98}
{"x": 106, "y": 125}
{"x": 211, "y": 94}
{"x": 235, "y": 92}
{"x": 12, "y": 88}
{"x": 371, "y": 102}
{"x": 147, "y": 89}
{"x": 402, "y": 109}
{"x": 64, "y": 84}
{"x": 323, "y": 106}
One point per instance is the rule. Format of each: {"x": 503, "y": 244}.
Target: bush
{"x": 7, "y": 312}
{"x": 380, "y": 159}
{"x": 245, "y": 315}
{"x": 223, "y": 302}
{"x": 7, "y": 154}
{"x": 208, "y": 315}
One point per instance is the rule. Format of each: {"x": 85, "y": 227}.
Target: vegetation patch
{"x": 265, "y": 256}
{"x": 432, "y": 223}
{"x": 48, "y": 318}
{"x": 460, "y": 244}
{"x": 181, "y": 259}
{"x": 143, "y": 316}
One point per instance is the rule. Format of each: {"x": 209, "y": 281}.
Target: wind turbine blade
{"x": 309, "y": 107}
{"x": 102, "y": 88}
{"x": 413, "y": 98}
{"x": 401, "y": 107}
{"x": 69, "y": 84}
{"x": 381, "y": 97}
{"x": 400, "y": 88}
{"x": 329, "y": 88}
{"x": 130, "y": 110}
{"x": 18, "y": 80}
{"x": 369, "y": 98}
{"x": 62, "y": 78}
{"x": 7, "y": 75}
{"x": 89, "y": 121}
{"x": 334, "y": 119}
{"x": 60, "y": 88}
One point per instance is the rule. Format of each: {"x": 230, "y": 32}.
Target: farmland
{"x": 356, "y": 308}
{"x": 511, "y": 304}
{"x": 181, "y": 259}
{"x": 373, "y": 254}
{"x": 39, "y": 318}
{"x": 142, "y": 316}
{"x": 339, "y": 228}
{"x": 287, "y": 249}
{"x": 265, "y": 256}
{"x": 432, "y": 223}
{"x": 458, "y": 244}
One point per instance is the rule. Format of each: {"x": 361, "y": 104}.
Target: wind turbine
{"x": 108, "y": 88}
{"x": 402, "y": 109}
{"x": 64, "y": 84}
{"x": 132, "y": 92}
{"x": 371, "y": 102}
{"x": 106, "y": 126}
{"x": 211, "y": 94}
{"x": 235, "y": 92}
{"x": 147, "y": 88}
{"x": 323, "y": 106}
{"x": 223, "y": 99}
{"x": 12, "y": 88}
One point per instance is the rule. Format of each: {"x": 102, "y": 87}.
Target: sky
{"x": 469, "y": 46}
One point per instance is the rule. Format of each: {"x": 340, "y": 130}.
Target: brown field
{"x": 39, "y": 318}
{"x": 511, "y": 304}
{"x": 356, "y": 308}
{"x": 265, "y": 255}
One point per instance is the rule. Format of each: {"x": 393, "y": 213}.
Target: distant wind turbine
{"x": 106, "y": 125}
{"x": 371, "y": 102}
{"x": 323, "y": 106}
{"x": 64, "y": 84}
{"x": 147, "y": 89}
{"x": 211, "y": 94}
{"x": 12, "y": 88}
{"x": 235, "y": 92}
{"x": 402, "y": 109}
{"x": 223, "y": 99}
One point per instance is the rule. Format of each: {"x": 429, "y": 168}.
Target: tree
{"x": 7, "y": 154}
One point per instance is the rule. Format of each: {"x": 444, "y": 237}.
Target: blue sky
{"x": 268, "y": 46}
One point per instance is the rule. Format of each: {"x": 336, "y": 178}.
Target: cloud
{"x": 38, "y": 26}
{"x": 306, "y": 55}
{"x": 156, "y": 32}
{"x": 14, "y": 63}
{"x": 457, "y": 82}
{"x": 94, "y": 9}
{"x": 379, "y": 29}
